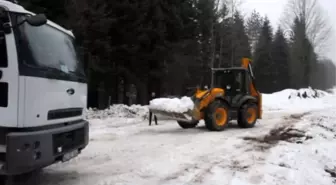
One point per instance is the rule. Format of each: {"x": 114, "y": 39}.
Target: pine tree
{"x": 281, "y": 59}
{"x": 206, "y": 18}
{"x": 303, "y": 57}
{"x": 253, "y": 25}
{"x": 240, "y": 46}
{"x": 224, "y": 38}
{"x": 263, "y": 62}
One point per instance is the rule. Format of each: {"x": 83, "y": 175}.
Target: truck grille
{"x": 64, "y": 113}
{"x": 64, "y": 142}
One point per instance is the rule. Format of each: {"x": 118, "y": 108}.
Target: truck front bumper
{"x": 30, "y": 150}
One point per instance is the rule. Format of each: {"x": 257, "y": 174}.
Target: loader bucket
{"x": 185, "y": 117}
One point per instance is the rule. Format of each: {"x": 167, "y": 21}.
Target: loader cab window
{"x": 45, "y": 51}
{"x": 233, "y": 81}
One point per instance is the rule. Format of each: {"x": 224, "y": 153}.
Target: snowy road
{"x": 288, "y": 146}
{"x": 135, "y": 153}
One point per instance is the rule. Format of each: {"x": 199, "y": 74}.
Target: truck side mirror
{"x": 34, "y": 20}
{"x": 37, "y": 20}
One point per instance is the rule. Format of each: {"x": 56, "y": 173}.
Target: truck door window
{"x": 3, "y": 51}
{"x": 3, "y": 64}
{"x": 3, "y": 48}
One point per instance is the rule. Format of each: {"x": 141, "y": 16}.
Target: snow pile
{"x": 118, "y": 110}
{"x": 297, "y": 100}
{"x": 307, "y": 93}
{"x": 172, "y": 104}
{"x": 332, "y": 90}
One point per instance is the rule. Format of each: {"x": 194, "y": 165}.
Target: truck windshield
{"x": 46, "y": 47}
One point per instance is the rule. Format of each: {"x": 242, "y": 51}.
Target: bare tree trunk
{"x": 318, "y": 29}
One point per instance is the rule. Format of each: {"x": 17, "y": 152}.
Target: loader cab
{"x": 233, "y": 80}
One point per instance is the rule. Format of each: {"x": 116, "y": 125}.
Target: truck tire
{"x": 186, "y": 125}
{"x": 247, "y": 116}
{"x": 217, "y": 116}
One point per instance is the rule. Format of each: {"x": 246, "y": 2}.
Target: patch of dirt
{"x": 283, "y": 133}
{"x": 323, "y": 119}
{"x": 286, "y": 132}
{"x": 284, "y": 165}
{"x": 332, "y": 173}
{"x": 237, "y": 166}
{"x": 326, "y": 128}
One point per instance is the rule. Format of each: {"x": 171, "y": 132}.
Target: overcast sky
{"x": 274, "y": 10}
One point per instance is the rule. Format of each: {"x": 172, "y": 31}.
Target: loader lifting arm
{"x": 246, "y": 63}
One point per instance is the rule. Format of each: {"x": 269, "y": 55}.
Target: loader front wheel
{"x": 248, "y": 114}
{"x": 217, "y": 116}
{"x": 186, "y": 125}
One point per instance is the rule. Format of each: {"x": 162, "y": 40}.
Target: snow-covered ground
{"x": 294, "y": 143}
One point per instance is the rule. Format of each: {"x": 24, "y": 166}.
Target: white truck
{"x": 43, "y": 92}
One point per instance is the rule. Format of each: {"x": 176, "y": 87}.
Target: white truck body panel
{"x": 11, "y": 76}
{"x": 48, "y": 94}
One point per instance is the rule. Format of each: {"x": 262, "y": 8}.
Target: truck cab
{"x": 43, "y": 92}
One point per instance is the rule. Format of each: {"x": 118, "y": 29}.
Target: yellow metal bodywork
{"x": 206, "y": 96}
{"x": 246, "y": 63}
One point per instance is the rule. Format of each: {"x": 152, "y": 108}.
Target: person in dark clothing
{"x": 151, "y": 114}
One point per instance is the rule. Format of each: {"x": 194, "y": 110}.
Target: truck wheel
{"x": 217, "y": 116}
{"x": 186, "y": 125}
{"x": 248, "y": 114}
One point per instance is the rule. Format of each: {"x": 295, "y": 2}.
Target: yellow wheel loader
{"x": 232, "y": 96}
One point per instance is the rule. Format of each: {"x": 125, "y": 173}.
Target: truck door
{"x": 8, "y": 76}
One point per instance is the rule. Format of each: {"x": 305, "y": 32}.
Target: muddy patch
{"x": 326, "y": 127}
{"x": 332, "y": 173}
{"x": 284, "y": 133}
{"x": 238, "y": 166}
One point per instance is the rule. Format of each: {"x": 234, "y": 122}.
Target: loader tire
{"x": 217, "y": 116}
{"x": 247, "y": 116}
{"x": 186, "y": 125}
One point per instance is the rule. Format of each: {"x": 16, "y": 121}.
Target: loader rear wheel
{"x": 248, "y": 115}
{"x": 217, "y": 116}
{"x": 186, "y": 125}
